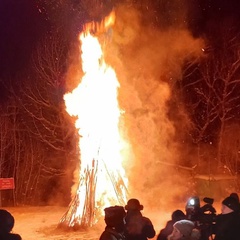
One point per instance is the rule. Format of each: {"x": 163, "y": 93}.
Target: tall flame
{"x": 95, "y": 105}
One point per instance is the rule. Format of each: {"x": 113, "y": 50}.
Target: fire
{"x": 94, "y": 103}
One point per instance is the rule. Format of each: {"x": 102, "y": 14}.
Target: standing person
{"x": 184, "y": 230}
{"x": 228, "y": 222}
{"x": 177, "y": 215}
{"x": 114, "y": 219}
{"x": 235, "y": 195}
{"x": 138, "y": 227}
{"x": 6, "y": 225}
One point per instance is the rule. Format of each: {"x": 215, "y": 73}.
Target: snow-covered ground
{"x": 41, "y": 223}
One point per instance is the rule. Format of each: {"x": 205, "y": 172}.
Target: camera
{"x": 204, "y": 216}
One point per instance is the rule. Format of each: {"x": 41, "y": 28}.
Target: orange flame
{"x": 95, "y": 104}
{"x": 103, "y": 26}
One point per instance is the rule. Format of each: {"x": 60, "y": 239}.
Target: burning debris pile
{"x": 72, "y": 218}
{"x": 94, "y": 103}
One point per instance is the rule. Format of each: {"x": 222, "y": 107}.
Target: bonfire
{"x": 94, "y": 105}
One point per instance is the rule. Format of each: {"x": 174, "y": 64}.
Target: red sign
{"x": 6, "y": 183}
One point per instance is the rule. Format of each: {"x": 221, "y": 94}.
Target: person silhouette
{"x": 165, "y": 232}
{"x": 6, "y": 225}
{"x": 138, "y": 227}
{"x": 228, "y": 221}
{"x": 234, "y": 195}
{"x": 114, "y": 219}
{"x": 184, "y": 230}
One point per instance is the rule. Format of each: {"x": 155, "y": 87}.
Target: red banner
{"x": 6, "y": 183}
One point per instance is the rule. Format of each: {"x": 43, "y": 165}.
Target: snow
{"x": 41, "y": 223}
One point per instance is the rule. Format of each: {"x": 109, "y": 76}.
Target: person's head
{"x": 229, "y": 204}
{"x": 178, "y": 215}
{"x": 234, "y": 195}
{"x": 184, "y": 230}
{"x": 114, "y": 217}
{"x": 6, "y": 221}
{"x": 133, "y": 204}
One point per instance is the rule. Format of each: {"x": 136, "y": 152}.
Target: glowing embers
{"x": 94, "y": 103}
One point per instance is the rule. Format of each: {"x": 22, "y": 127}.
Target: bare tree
{"x": 48, "y": 130}
{"x": 6, "y": 141}
{"x": 213, "y": 92}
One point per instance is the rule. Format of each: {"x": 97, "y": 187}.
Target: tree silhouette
{"x": 212, "y": 91}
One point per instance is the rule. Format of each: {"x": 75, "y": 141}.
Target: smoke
{"x": 147, "y": 52}
{"x": 148, "y": 61}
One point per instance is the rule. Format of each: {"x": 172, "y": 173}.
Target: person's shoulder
{"x": 147, "y": 220}
{"x": 106, "y": 235}
{"x": 14, "y": 236}
{"x": 170, "y": 222}
{"x": 17, "y": 237}
{"x": 110, "y": 234}
{"x": 11, "y": 236}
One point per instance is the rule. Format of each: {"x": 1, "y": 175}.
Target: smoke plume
{"x": 148, "y": 61}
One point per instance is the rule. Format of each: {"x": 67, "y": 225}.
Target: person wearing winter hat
{"x": 138, "y": 227}
{"x": 228, "y": 222}
{"x": 177, "y": 215}
{"x": 184, "y": 230}
{"x": 6, "y": 225}
{"x": 229, "y": 204}
{"x": 114, "y": 219}
{"x": 234, "y": 195}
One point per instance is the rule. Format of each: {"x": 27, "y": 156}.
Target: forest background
{"x": 39, "y": 143}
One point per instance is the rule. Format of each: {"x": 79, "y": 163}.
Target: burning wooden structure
{"x": 94, "y": 105}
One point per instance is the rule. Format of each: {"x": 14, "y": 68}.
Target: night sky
{"x": 209, "y": 13}
{"x": 22, "y": 25}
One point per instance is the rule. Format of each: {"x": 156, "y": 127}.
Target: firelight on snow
{"x": 94, "y": 104}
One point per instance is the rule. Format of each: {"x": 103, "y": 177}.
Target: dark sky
{"x": 21, "y": 26}
{"x": 205, "y": 13}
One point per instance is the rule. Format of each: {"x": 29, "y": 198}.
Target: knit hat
{"x": 234, "y": 195}
{"x": 6, "y": 221}
{"x": 185, "y": 227}
{"x": 232, "y": 203}
{"x": 114, "y": 212}
{"x": 114, "y": 216}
